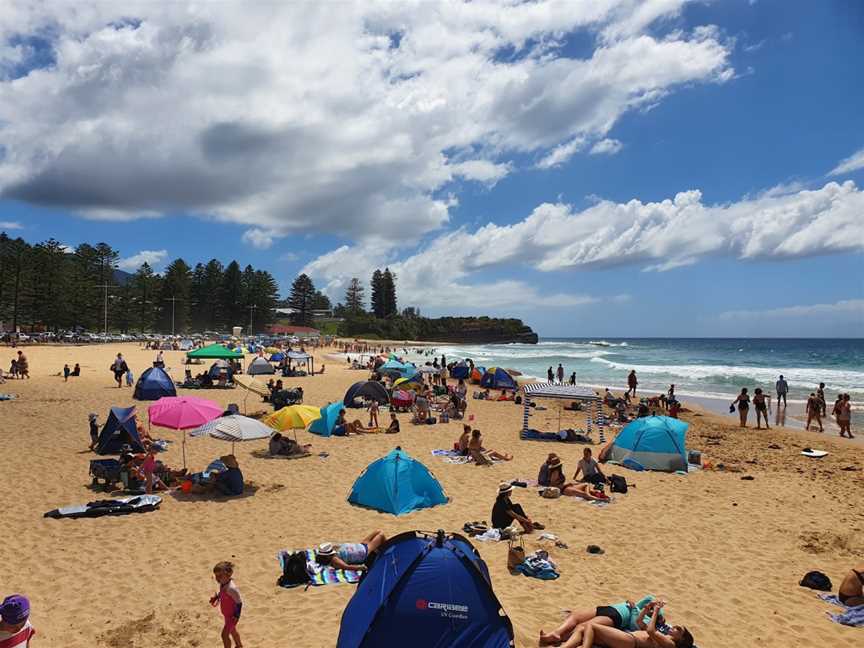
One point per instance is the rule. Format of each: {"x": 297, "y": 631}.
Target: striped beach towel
{"x": 319, "y": 575}
{"x": 852, "y": 616}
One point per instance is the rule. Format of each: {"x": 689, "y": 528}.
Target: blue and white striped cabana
{"x": 562, "y": 391}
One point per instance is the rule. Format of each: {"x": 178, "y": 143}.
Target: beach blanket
{"x": 119, "y": 506}
{"x": 4, "y": 397}
{"x": 538, "y": 565}
{"x": 565, "y": 436}
{"x": 851, "y": 616}
{"x": 446, "y": 453}
{"x": 318, "y": 574}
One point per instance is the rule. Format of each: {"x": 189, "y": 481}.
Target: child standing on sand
{"x": 373, "y": 414}
{"x": 229, "y": 601}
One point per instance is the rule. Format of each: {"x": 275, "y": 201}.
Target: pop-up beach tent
{"x": 397, "y": 484}
{"x": 120, "y": 429}
{"x": 260, "y": 367}
{"x": 497, "y": 378}
{"x": 460, "y": 370}
{"x": 215, "y": 351}
{"x": 477, "y": 375}
{"x": 324, "y": 425}
{"x": 396, "y": 368}
{"x": 367, "y": 390}
{"x": 433, "y": 589}
{"x": 153, "y": 384}
{"x": 654, "y": 442}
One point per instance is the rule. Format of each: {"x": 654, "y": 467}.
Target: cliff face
{"x": 480, "y": 331}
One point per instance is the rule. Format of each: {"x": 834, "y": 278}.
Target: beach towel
{"x": 851, "y": 616}
{"x": 319, "y": 575}
{"x": 538, "y": 565}
{"x": 4, "y": 397}
{"x": 119, "y": 506}
{"x": 446, "y": 453}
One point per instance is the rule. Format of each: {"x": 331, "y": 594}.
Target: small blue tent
{"x": 427, "y": 592}
{"x": 397, "y": 484}
{"x": 153, "y": 384}
{"x": 394, "y": 367}
{"x": 367, "y": 390}
{"x": 655, "y": 442}
{"x": 460, "y": 371}
{"x": 119, "y": 429}
{"x": 279, "y": 356}
{"x": 324, "y": 426}
{"x": 497, "y": 378}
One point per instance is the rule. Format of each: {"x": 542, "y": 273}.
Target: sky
{"x": 614, "y": 168}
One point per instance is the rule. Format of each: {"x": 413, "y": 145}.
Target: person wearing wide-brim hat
{"x": 505, "y": 512}
{"x": 349, "y": 555}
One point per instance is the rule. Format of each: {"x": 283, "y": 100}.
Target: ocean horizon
{"x": 706, "y": 368}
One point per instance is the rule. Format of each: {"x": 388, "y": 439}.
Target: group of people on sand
{"x": 551, "y": 475}
{"x": 18, "y": 368}
{"x": 345, "y": 428}
{"x": 470, "y": 444}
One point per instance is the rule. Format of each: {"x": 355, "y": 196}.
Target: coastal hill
{"x": 476, "y": 330}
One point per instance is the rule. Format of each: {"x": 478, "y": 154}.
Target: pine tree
{"x": 321, "y": 301}
{"x": 231, "y": 296}
{"x": 144, "y": 291}
{"x": 174, "y": 297}
{"x": 354, "y": 300}
{"x": 388, "y": 289}
{"x": 51, "y": 275}
{"x": 377, "y": 294}
{"x": 301, "y": 300}
{"x": 213, "y": 280}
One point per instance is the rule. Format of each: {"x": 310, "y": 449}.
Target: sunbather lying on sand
{"x": 555, "y": 477}
{"x": 350, "y": 555}
{"x": 651, "y": 637}
{"x": 282, "y": 445}
{"x": 627, "y": 616}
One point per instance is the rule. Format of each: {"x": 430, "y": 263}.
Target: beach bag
{"x": 816, "y": 580}
{"x": 294, "y": 571}
{"x": 515, "y": 554}
{"x": 617, "y": 484}
{"x": 550, "y": 492}
{"x": 444, "y": 417}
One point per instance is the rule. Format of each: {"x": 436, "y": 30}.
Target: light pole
{"x": 252, "y": 309}
{"x": 173, "y": 301}
{"x": 106, "y": 286}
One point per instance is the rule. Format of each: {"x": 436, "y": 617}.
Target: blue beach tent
{"x": 367, "y": 390}
{"x": 394, "y": 367}
{"x": 654, "y": 442}
{"x": 153, "y": 384}
{"x": 119, "y": 429}
{"x": 279, "y": 356}
{"x": 324, "y": 426}
{"x": 397, "y": 484}
{"x": 460, "y": 370}
{"x": 497, "y": 378}
{"x": 426, "y": 591}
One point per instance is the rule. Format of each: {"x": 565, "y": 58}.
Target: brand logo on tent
{"x": 450, "y": 610}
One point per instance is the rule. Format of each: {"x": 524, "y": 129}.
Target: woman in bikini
{"x": 851, "y": 590}
{"x": 761, "y": 405}
{"x": 651, "y": 637}
{"x": 743, "y": 402}
{"x": 556, "y": 479}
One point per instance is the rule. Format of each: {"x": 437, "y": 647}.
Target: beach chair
{"x": 107, "y": 470}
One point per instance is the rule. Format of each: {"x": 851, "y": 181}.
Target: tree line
{"x": 305, "y": 299}
{"x": 47, "y": 286}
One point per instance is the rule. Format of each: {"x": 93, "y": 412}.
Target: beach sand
{"x": 726, "y": 553}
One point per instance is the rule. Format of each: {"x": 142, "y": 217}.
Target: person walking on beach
{"x": 743, "y": 403}
{"x": 229, "y": 602}
{"x": 119, "y": 367}
{"x": 573, "y": 378}
{"x": 632, "y": 382}
{"x": 761, "y": 406}
{"x": 560, "y": 373}
{"x": 820, "y": 394}
{"x": 814, "y": 411}
{"x": 844, "y": 416}
{"x": 550, "y": 375}
{"x": 782, "y": 389}
{"x": 23, "y": 365}
{"x": 66, "y": 372}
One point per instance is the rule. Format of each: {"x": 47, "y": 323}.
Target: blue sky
{"x": 508, "y": 160}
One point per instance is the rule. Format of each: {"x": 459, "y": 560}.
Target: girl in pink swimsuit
{"x": 229, "y": 601}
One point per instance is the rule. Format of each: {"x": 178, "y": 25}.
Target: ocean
{"x": 713, "y": 368}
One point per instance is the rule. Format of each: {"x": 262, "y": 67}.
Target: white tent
{"x": 260, "y": 366}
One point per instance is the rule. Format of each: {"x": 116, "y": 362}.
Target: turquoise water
{"x": 709, "y": 368}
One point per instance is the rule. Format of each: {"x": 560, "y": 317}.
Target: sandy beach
{"x": 726, "y": 553}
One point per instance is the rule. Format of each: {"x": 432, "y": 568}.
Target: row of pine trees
{"x": 305, "y": 299}
{"x": 46, "y": 286}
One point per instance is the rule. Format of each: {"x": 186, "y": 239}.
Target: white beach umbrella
{"x": 428, "y": 369}
{"x": 234, "y": 428}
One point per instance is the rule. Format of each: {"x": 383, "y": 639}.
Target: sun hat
{"x": 504, "y": 488}
{"x": 15, "y": 609}
{"x": 325, "y": 549}
{"x": 555, "y": 463}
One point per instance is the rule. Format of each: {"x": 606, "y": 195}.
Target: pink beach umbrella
{"x": 183, "y": 413}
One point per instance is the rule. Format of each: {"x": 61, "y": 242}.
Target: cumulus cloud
{"x": 850, "y": 164}
{"x": 845, "y": 307}
{"x": 231, "y": 111}
{"x": 606, "y": 147}
{"x": 258, "y": 238}
{"x": 152, "y": 257}
{"x": 658, "y": 237}
{"x": 10, "y": 225}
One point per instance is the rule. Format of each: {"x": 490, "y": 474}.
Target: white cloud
{"x": 231, "y": 111}
{"x": 606, "y": 147}
{"x": 853, "y": 307}
{"x": 560, "y": 154}
{"x": 10, "y": 225}
{"x": 658, "y": 237}
{"x": 850, "y": 164}
{"x": 258, "y": 238}
{"x": 153, "y": 257}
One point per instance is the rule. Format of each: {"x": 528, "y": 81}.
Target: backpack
{"x": 294, "y": 571}
{"x": 617, "y": 484}
{"x": 816, "y": 580}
